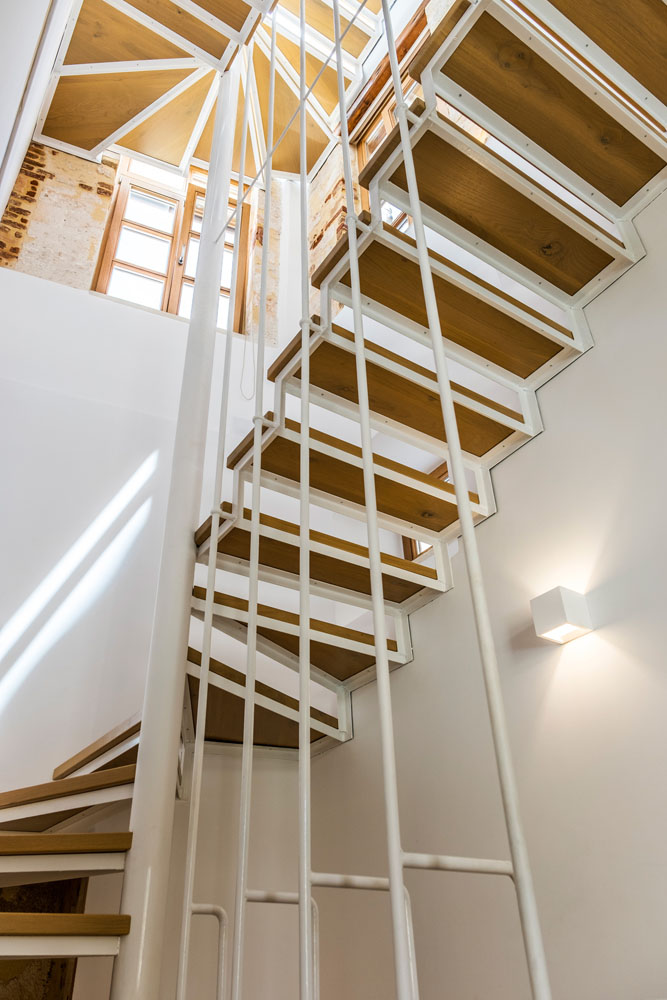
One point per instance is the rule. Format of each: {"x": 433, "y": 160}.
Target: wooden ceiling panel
{"x": 165, "y": 135}
{"x": 320, "y": 17}
{"x": 203, "y": 150}
{"x": 103, "y": 34}
{"x": 326, "y": 89}
{"x": 286, "y": 156}
{"x": 232, "y": 12}
{"x": 87, "y": 109}
{"x": 176, "y": 19}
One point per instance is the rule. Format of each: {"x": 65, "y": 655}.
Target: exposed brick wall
{"x": 56, "y": 216}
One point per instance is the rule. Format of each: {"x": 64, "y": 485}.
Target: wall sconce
{"x": 561, "y": 615}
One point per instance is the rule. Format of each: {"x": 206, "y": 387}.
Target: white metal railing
{"x": 398, "y": 859}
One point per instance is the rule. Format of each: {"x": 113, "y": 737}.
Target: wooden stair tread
{"x": 68, "y": 786}
{"x": 324, "y": 568}
{"x": 290, "y": 618}
{"x": 491, "y": 209}
{"x": 632, "y": 32}
{"x": 519, "y": 85}
{"x": 224, "y": 715}
{"x": 63, "y": 924}
{"x": 333, "y": 369}
{"x": 344, "y": 480}
{"x": 64, "y": 843}
{"x": 112, "y": 739}
{"x": 394, "y": 280}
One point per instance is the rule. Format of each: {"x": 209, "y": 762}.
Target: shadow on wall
{"x": 75, "y": 582}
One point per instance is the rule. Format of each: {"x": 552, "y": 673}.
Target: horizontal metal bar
{"x": 448, "y": 863}
{"x": 57, "y": 946}
{"x": 329, "y": 880}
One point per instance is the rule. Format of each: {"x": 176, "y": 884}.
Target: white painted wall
{"x": 581, "y": 506}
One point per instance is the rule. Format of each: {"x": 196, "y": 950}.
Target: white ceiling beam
{"x": 256, "y": 124}
{"x": 200, "y": 124}
{"x": 137, "y": 66}
{"x": 157, "y": 105}
{"x": 364, "y": 19}
{"x": 319, "y": 46}
{"x": 171, "y": 36}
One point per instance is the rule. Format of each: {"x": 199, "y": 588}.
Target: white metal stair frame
{"x": 11, "y": 817}
{"x": 381, "y": 188}
{"x": 572, "y": 347}
{"x": 436, "y": 82}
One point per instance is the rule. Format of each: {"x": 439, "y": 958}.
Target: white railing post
{"x": 136, "y": 974}
{"x": 522, "y": 875}
{"x": 253, "y": 579}
{"x": 202, "y": 698}
{"x": 305, "y": 908}
{"x": 399, "y": 922}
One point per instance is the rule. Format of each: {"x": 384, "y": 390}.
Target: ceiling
{"x": 140, "y": 76}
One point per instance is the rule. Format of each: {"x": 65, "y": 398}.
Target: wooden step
{"x": 225, "y": 709}
{"x": 403, "y": 393}
{"x": 479, "y": 322}
{"x": 334, "y": 562}
{"x": 632, "y": 32}
{"x": 64, "y": 843}
{"x": 487, "y": 200}
{"x": 407, "y": 500}
{"x": 116, "y": 748}
{"x": 38, "y": 807}
{"x": 337, "y": 651}
{"x": 507, "y": 75}
{"x": 39, "y": 858}
{"x": 61, "y": 935}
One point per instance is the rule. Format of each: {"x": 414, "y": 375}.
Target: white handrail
{"x": 399, "y": 922}
{"x": 202, "y": 698}
{"x": 253, "y": 589}
{"x": 530, "y": 924}
{"x": 306, "y": 972}
{"x": 211, "y": 910}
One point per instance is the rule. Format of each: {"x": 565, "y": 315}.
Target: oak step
{"x": 63, "y": 843}
{"x": 483, "y": 323}
{"x": 333, "y": 562}
{"x": 115, "y": 749}
{"x": 338, "y": 651}
{"x": 406, "y": 498}
{"x": 26, "y": 859}
{"x": 509, "y": 77}
{"x": 37, "y": 807}
{"x": 401, "y": 391}
{"x": 493, "y": 209}
{"x": 225, "y": 709}
{"x": 63, "y": 924}
{"x": 632, "y": 32}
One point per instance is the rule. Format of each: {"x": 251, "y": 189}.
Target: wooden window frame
{"x": 183, "y": 230}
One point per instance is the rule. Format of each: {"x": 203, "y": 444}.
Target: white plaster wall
{"x": 581, "y": 506}
{"x": 89, "y": 394}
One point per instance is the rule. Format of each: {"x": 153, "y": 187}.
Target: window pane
{"x": 136, "y": 288}
{"x": 390, "y": 213}
{"x": 151, "y": 252}
{"x": 191, "y": 258}
{"x": 375, "y": 138}
{"x": 185, "y": 305}
{"x": 155, "y": 213}
{"x": 227, "y": 268}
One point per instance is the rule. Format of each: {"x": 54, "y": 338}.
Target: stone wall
{"x": 56, "y": 216}
{"x": 255, "y": 248}
{"x": 326, "y": 203}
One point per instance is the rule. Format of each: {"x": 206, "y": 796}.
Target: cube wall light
{"x": 561, "y": 615}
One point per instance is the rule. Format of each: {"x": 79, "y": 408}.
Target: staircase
{"x": 538, "y": 136}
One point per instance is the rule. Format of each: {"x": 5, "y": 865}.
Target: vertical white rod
{"x": 399, "y": 922}
{"x": 253, "y": 589}
{"x": 136, "y": 974}
{"x": 210, "y": 910}
{"x": 305, "y": 906}
{"x": 530, "y": 924}
{"x": 202, "y": 699}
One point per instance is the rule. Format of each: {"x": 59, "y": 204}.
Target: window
{"x": 151, "y": 249}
